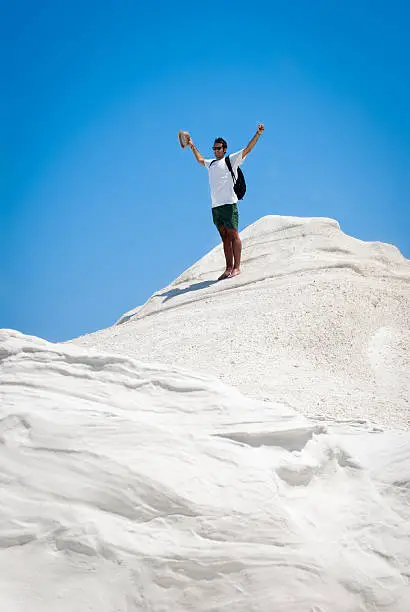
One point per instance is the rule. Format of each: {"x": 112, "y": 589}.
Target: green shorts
{"x": 226, "y": 215}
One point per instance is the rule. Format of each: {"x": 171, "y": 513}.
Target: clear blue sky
{"x": 100, "y": 207}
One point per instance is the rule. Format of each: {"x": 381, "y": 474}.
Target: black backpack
{"x": 239, "y": 185}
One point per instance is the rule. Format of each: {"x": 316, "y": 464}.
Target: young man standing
{"x": 224, "y": 200}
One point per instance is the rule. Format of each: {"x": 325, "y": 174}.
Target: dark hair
{"x": 222, "y": 142}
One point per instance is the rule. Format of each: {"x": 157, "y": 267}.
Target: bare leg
{"x": 228, "y": 250}
{"x": 236, "y": 245}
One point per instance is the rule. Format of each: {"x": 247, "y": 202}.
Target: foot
{"x": 234, "y": 272}
{"x": 226, "y": 274}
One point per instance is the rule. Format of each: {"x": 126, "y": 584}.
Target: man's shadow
{"x": 174, "y": 292}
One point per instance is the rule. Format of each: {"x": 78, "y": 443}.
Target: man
{"x": 224, "y": 200}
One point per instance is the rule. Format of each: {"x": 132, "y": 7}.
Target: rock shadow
{"x": 195, "y": 287}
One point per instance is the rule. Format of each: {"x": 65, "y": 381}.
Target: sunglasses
{"x": 217, "y": 148}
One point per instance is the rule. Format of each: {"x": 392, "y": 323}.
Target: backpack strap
{"x": 228, "y": 163}
{"x": 212, "y": 162}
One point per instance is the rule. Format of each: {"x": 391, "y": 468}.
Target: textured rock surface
{"x": 133, "y": 487}
{"x": 317, "y": 320}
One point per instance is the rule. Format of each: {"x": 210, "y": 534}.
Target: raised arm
{"x": 254, "y": 140}
{"x": 199, "y": 158}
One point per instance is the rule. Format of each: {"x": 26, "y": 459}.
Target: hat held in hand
{"x": 183, "y": 138}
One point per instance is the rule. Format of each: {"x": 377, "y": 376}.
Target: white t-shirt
{"x": 220, "y": 179}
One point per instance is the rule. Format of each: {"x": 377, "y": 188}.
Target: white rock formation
{"x": 131, "y": 486}
{"x": 317, "y": 320}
